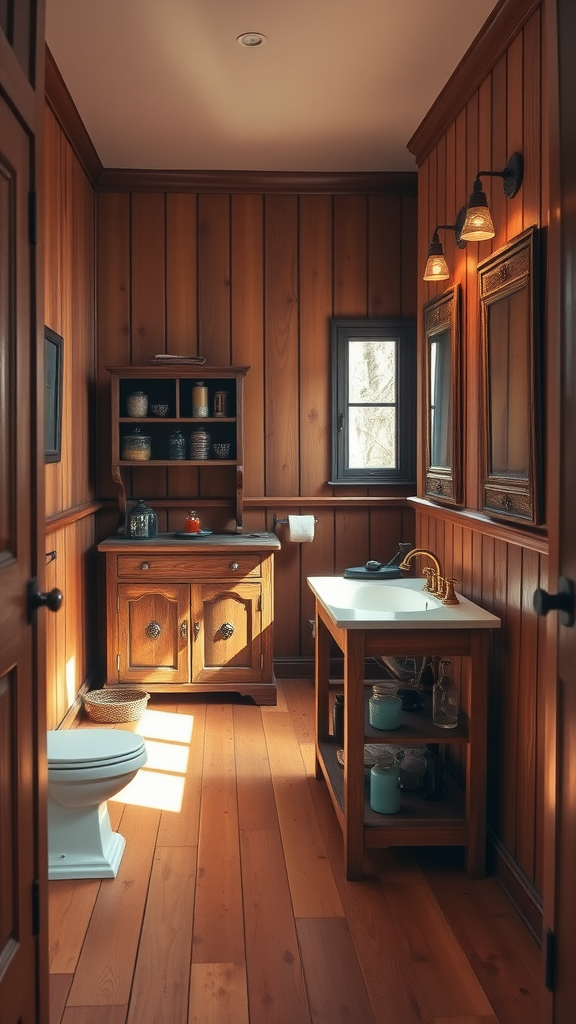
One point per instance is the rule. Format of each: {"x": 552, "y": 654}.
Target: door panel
{"x": 19, "y": 954}
{"x": 153, "y": 633}
{"x": 228, "y": 638}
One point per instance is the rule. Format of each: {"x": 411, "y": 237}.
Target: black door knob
{"x": 37, "y": 599}
{"x": 562, "y": 602}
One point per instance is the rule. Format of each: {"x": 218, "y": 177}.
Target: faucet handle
{"x": 449, "y": 595}
{"x": 431, "y": 585}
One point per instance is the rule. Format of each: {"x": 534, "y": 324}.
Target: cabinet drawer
{"x": 235, "y": 565}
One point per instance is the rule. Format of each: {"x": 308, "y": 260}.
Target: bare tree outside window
{"x": 373, "y": 374}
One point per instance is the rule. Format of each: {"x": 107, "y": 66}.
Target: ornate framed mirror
{"x": 512, "y": 382}
{"x": 443, "y": 401}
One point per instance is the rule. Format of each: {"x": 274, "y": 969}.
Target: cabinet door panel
{"x": 228, "y": 637}
{"x": 153, "y": 631}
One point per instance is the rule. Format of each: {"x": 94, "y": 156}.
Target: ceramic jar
{"x": 137, "y": 404}
{"x": 199, "y": 444}
{"x": 385, "y": 797}
{"x": 200, "y": 399}
{"x": 177, "y": 445}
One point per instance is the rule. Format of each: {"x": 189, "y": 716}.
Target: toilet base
{"x": 81, "y": 843}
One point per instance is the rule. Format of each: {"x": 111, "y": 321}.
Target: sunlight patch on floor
{"x": 165, "y": 725}
{"x": 159, "y": 790}
{"x": 160, "y": 783}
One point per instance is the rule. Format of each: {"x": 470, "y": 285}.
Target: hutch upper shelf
{"x": 168, "y": 408}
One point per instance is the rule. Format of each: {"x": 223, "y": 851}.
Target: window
{"x": 373, "y": 407}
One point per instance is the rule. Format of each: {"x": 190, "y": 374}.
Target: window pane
{"x": 371, "y": 371}
{"x": 371, "y": 437}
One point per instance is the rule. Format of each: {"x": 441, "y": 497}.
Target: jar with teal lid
{"x": 136, "y": 446}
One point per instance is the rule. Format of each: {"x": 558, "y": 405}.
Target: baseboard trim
{"x": 519, "y": 890}
{"x": 74, "y": 712}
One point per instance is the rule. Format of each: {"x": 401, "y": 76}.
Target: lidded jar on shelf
{"x": 177, "y": 445}
{"x": 137, "y": 404}
{"x": 200, "y": 399}
{"x": 199, "y": 444}
{"x": 136, "y": 446}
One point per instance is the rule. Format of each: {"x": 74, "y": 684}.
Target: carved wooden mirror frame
{"x": 509, "y": 288}
{"x": 443, "y": 399}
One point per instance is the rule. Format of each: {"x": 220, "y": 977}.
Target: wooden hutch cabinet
{"x": 188, "y": 612}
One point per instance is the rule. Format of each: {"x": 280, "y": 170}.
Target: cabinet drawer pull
{"x": 234, "y": 566}
{"x": 144, "y": 565}
{"x": 184, "y": 630}
{"x": 226, "y": 630}
{"x": 196, "y": 630}
{"x": 153, "y": 630}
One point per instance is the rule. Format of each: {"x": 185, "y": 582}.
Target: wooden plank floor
{"x": 231, "y": 906}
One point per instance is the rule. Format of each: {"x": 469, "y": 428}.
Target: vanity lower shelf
{"x": 418, "y": 823}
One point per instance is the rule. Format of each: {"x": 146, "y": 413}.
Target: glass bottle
{"x": 445, "y": 704}
{"x": 338, "y": 718}
{"x": 192, "y": 523}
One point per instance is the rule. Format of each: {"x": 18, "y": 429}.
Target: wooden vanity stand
{"x": 459, "y": 819}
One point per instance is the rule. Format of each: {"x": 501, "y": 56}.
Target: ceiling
{"x": 340, "y": 85}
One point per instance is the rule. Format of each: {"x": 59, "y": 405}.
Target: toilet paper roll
{"x": 301, "y": 529}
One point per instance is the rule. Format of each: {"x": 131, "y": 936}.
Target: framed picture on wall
{"x": 53, "y": 344}
{"x": 509, "y": 289}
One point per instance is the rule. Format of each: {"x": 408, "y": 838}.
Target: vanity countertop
{"x": 169, "y": 542}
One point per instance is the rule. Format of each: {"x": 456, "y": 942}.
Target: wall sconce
{"x": 436, "y": 266}
{"x": 478, "y": 225}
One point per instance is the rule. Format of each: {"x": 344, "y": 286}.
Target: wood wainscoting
{"x": 500, "y": 568}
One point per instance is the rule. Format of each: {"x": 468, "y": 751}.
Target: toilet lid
{"x": 72, "y": 748}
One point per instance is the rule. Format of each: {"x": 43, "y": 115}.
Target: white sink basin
{"x": 394, "y": 604}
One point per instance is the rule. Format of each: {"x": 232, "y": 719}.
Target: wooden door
{"x": 227, "y": 633}
{"x": 23, "y": 867}
{"x": 559, "y": 903}
{"x": 153, "y": 633}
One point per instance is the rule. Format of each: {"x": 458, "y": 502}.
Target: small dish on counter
{"x": 190, "y": 536}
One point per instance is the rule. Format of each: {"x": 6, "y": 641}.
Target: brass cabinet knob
{"x": 234, "y": 566}
{"x": 226, "y": 630}
{"x": 153, "y": 630}
{"x": 144, "y": 565}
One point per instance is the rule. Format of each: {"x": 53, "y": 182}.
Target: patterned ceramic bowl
{"x": 221, "y": 451}
{"x": 159, "y": 410}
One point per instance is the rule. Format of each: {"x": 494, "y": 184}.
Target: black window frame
{"x": 403, "y": 331}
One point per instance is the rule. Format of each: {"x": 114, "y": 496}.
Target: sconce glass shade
{"x": 436, "y": 266}
{"x": 436, "y": 269}
{"x": 478, "y": 225}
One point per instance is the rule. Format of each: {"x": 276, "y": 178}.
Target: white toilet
{"x": 85, "y": 768}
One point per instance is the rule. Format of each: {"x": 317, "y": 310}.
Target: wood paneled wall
{"x": 69, "y": 310}
{"x": 253, "y": 279}
{"x": 499, "y": 567}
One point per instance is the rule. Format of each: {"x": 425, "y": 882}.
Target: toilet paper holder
{"x": 275, "y": 520}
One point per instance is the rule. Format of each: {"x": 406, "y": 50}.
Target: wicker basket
{"x": 115, "y": 705}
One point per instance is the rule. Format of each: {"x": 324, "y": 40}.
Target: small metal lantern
{"x": 141, "y": 522}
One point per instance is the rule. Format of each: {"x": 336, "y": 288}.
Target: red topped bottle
{"x": 192, "y": 523}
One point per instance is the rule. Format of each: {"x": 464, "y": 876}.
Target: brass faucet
{"x": 435, "y": 581}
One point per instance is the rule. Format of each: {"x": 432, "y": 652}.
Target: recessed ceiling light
{"x": 252, "y": 39}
